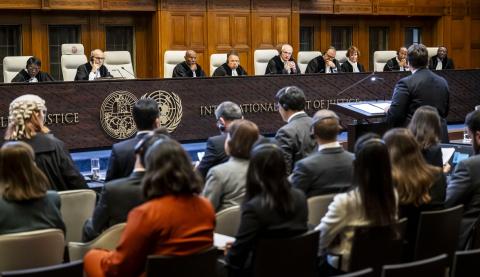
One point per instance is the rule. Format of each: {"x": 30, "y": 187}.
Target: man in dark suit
{"x": 283, "y": 63}
{"x": 421, "y": 88}
{"x": 32, "y": 73}
{"x": 119, "y": 196}
{"x": 464, "y": 185}
{"x": 232, "y": 67}
{"x": 294, "y": 138}
{"x": 330, "y": 169}
{"x": 94, "y": 69}
{"x": 189, "y": 68}
{"x": 215, "y": 154}
{"x": 441, "y": 61}
{"x": 398, "y": 63}
{"x": 122, "y": 158}
{"x": 324, "y": 64}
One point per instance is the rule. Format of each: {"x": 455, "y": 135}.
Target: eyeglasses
{"x": 288, "y": 53}
{"x": 99, "y": 58}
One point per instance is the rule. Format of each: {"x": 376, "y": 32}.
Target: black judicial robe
{"x": 84, "y": 70}
{"x": 317, "y": 65}
{"x": 23, "y": 77}
{"x": 183, "y": 70}
{"x": 225, "y": 70}
{"x": 276, "y": 66}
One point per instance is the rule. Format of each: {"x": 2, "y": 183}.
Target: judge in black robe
{"x": 233, "y": 63}
{"x": 189, "y": 68}
{"x": 93, "y": 69}
{"x": 283, "y": 63}
{"x": 320, "y": 63}
{"x": 32, "y": 73}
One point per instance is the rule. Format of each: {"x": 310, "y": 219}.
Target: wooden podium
{"x": 369, "y": 118}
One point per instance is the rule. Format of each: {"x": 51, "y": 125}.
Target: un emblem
{"x": 116, "y": 115}
{"x": 170, "y": 106}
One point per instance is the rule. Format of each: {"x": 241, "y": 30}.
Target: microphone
{"x": 371, "y": 76}
{"x": 133, "y": 75}
{"x": 116, "y": 69}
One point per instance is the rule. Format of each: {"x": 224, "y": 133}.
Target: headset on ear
{"x": 91, "y": 59}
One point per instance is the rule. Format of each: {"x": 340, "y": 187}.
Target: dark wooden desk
{"x": 74, "y": 107}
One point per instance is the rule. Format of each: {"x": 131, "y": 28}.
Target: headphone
{"x": 221, "y": 126}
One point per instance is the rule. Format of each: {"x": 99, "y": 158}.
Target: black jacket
{"x": 347, "y": 67}
{"x": 446, "y": 63}
{"x": 84, "y": 70}
{"x": 419, "y": 89}
{"x": 214, "y": 154}
{"x": 225, "y": 70}
{"x": 317, "y": 65}
{"x": 117, "y": 199}
{"x": 122, "y": 158}
{"x": 260, "y": 221}
{"x": 392, "y": 65}
{"x": 55, "y": 161}
{"x": 23, "y": 77}
{"x": 276, "y": 66}
{"x": 183, "y": 70}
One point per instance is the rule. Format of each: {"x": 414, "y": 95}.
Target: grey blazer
{"x": 225, "y": 185}
{"x": 327, "y": 171}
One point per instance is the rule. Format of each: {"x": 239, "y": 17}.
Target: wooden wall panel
{"x": 73, "y": 4}
{"x": 316, "y": 6}
{"x": 353, "y": 6}
{"x": 21, "y": 4}
{"x": 128, "y": 5}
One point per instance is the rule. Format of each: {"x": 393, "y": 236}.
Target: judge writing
{"x": 94, "y": 69}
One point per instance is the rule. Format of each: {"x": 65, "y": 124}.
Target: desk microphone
{"x": 371, "y": 76}
{"x": 133, "y": 75}
{"x": 116, "y": 69}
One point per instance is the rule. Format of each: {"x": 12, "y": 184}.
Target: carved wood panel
{"x": 230, "y": 5}
{"x": 316, "y": 6}
{"x": 174, "y": 5}
{"x": 20, "y": 4}
{"x": 73, "y": 4}
{"x": 137, "y": 5}
{"x": 270, "y": 5}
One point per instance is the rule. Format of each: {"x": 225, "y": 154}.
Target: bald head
{"x": 287, "y": 51}
{"x": 97, "y": 57}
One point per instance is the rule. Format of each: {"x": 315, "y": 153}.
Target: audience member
{"x": 283, "y": 63}
{"x": 324, "y": 64}
{"x": 119, "y": 196}
{"x": 421, "y": 88}
{"x": 188, "y": 68}
{"x": 25, "y": 203}
{"x": 215, "y": 154}
{"x": 146, "y": 115}
{"x": 294, "y": 138}
{"x": 271, "y": 208}
{"x": 225, "y": 185}
{"x": 420, "y": 186}
{"x": 426, "y": 127}
{"x": 174, "y": 221}
{"x": 330, "y": 169}
{"x": 372, "y": 201}
{"x": 94, "y": 69}
{"x": 464, "y": 185}
{"x": 27, "y": 115}
{"x": 352, "y": 64}
{"x": 441, "y": 61}
{"x": 232, "y": 67}
{"x": 32, "y": 73}
{"x": 399, "y": 62}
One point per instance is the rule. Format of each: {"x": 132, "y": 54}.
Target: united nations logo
{"x": 116, "y": 115}
{"x": 170, "y": 106}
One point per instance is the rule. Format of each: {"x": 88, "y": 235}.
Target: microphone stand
{"x": 358, "y": 82}
{"x": 116, "y": 69}
{"x": 133, "y": 75}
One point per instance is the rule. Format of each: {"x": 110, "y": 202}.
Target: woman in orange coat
{"x": 174, "y": 221}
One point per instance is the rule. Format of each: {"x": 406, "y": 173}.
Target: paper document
{"x": 219, "y": 240}
{"x": 382, "y": 105}
{"x": 369, "y": 108}
{"x": 447, "y": 153}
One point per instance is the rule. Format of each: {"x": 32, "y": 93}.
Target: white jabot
{"x": 33, "y": 80}
{"x": 401, "y": 67}
{"x": 194, "y": 74}
{"x": 234, "y": 72}
{"x": 439, "y": 64}
{"x": 93, "y": 76}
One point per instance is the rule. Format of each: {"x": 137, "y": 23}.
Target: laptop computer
{"x": 453, "y": 153}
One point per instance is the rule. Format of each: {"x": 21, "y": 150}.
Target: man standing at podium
{"x": 94, "y": 69}
{"x": 421, "y": 88}
{"x": 188, "y": 68}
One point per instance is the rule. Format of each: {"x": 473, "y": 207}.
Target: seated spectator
{"x": 27, "y": 116}
{"x": 32, "y": 73}
{"x": 352, "y": 64}
{"x": 399, "y": 62}
{"x": 189, "y": 68}
{"x": 283, "y": 63}
{"x": 225, "y": 185}
{"x": 25, "y": 204}
{"x": 441, "y": 61}
{"x": 174, "y": 221}
{"x": 420, "y": 186}
{"x": 426, "y": 127}
{"x": 464, "y": 184}
{"x": 119, "y": 196}
{"x": 372, "y": 201}
{"x": 271, "y": 208}
{"x": 330, "y": 169}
